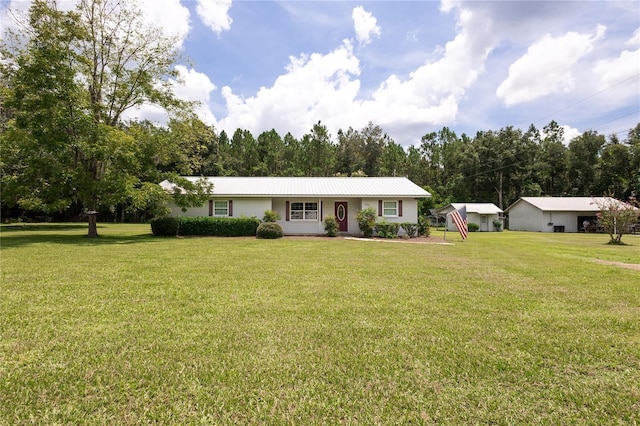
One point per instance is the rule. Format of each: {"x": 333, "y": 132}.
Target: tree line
{"x": 497, "y": 166}
{"x": 67, "y": 78}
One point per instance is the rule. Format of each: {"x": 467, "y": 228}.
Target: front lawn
{"x": 504, "y": 328}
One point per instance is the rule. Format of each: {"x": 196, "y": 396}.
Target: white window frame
{"x": 306, "y": 214}
{"x": 216, "y": 208}
{"x": 386, "y": 208}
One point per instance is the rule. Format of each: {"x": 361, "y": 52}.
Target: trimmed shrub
{"x": 411, "y": 229}
{"x": 331, "y": 225}
{"x": 473, "y": 227}
{"x": 367, "y": 220}
{"x": 219, "y": 226}
{"x": 271, "y": 216}
{"x": 387, "y": 229}
{"x": 165, "y": 226}
{"x": 269, "y": 230}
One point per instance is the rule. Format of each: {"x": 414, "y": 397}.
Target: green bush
{"x": 367, "y": 220}
{"x": 331, "y": 225}
{"x": 411, "y": 229}
{"x": 424, "y": 226}
{"x": 387, "y": 229}
{"x": 269, "y": 230}
{"x": 473, "y": 227}
{"x": 219, "y": 226}
{"x": 165, "y": 226}
{"x": 271, "y": 216}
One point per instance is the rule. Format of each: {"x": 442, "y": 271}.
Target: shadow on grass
{"x": 34, "y": 234}
{"x": 42, "y": 227}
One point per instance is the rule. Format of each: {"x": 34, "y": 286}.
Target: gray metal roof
{"x": 480, "y": 208}
{"x": 564, "y": 204}
{"x": 311, "y": 186}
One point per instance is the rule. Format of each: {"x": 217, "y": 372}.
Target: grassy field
{"x": 504, "y": 328}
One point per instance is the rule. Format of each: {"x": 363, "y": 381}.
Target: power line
{"x": 635, "y": 76}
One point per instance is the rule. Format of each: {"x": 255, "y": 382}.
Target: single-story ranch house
{"x": 554, "y": 214}
{"x": 482, "y": 214}
{"x": 304, "y": 202}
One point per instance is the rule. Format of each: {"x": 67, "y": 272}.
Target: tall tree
{"x": 270, "y": 154}
{"x": 319, "y": 151}
{"x": 374, "y": 142}
{"x": 69, "y": 85}
{"x": 350, "y": 152}
{"x": 614, "y": 169}
{"x": 584, "y": 151}
{"x": 552, "y": 168}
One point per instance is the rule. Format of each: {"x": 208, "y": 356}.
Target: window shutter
{"x": 287, "y": 211}
{"x": 230, "y": 208}
{"x": 379, "y": 207}
{"x": 210, "y": 207}
{"x": 320, "y": 215}
{"x": 400, "y": 208}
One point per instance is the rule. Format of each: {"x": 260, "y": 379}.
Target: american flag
{"x": 460, "y": 219}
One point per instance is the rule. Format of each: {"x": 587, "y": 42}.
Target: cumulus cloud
{"x": 191, "y": 86}
{"x": 314, "y": 86}
{"x": 623, "y": 68}
{"x": 169, "y": 15}
{"x": 215, "y": 14}
{"x": 569, "y": 134}
{"x": 547, "y": 67}
{"x": 327, "y": 87}
{"x": 365, "y": 25}
{"x": 195, "y": 86}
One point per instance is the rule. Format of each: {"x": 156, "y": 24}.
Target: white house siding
{"x": 297, "y": 227}
{"x": 569, "y": 220}
{"x": 409, "y": 210}
{"x": 476, "y": 218}
{"x": 525, "y": 217}
{"x": 247, "y": 207}
{"x": 256, "y": 207}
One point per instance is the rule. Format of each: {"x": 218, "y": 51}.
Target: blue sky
{"x": 411, "y": 67}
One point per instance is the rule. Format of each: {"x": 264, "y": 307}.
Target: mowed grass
{"x": 504, "y": 328}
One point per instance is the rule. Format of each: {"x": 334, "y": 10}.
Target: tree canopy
{"x": 67, "y": 80}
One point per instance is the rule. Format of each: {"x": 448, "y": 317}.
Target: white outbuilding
{"x": 482, "y": 214}
{"x": 554, "y": 214}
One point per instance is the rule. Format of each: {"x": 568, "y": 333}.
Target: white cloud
{"x": 570, "y": 133}
{"x": 169, "y": 15}
{"x": 634, "y": 41}
{"x": 547, "y": 67}
{"x": 195, "y": 86}
{"x": 315, "y": 86}
{"x": 327, "y": 87}
{"x": 365, "y": 25}
{"x": 625, "y": 68}
{"x": 215, "y": 14}
{"x": 191, "y": 86}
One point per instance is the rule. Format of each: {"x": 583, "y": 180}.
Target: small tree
{"x": 615, "y": 217}
{"x": 366, "y": 220}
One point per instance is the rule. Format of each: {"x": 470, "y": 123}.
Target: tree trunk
{"x": 93, "y": 226}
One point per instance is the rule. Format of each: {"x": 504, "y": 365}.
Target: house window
{"x": 484, "y": 219}
{"x": 221, "y": 208}
{"x": 303, "y": 211}
{"x": 389, "y": 208}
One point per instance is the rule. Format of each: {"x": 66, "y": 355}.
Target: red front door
{"x": 342, "y": 215}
